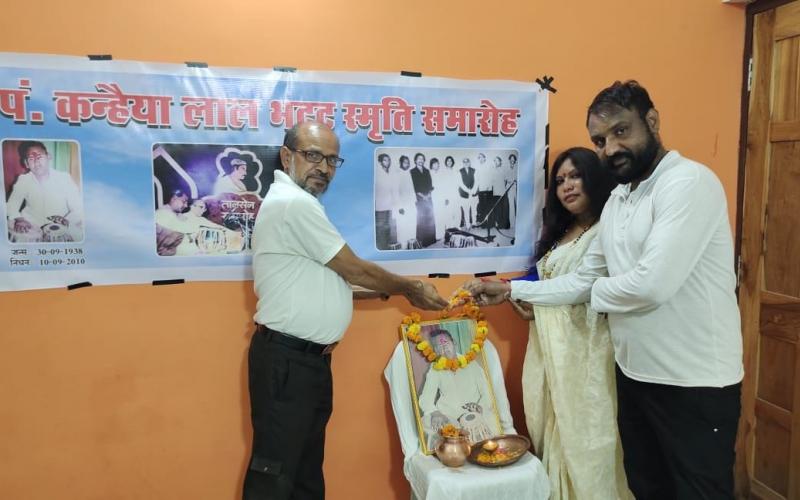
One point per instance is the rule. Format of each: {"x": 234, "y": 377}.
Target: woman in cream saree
{"x": 568, "y": 381}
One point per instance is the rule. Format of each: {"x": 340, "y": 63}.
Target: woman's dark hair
{"x": 597, "y": 184}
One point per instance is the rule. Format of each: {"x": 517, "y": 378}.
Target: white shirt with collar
{"x": 386, "y": 188}
{"x": 662, "y": 268}
{"x": 292, "y": 241}
{"x": 499, "y": 180}
{"x": 484, "y": 177}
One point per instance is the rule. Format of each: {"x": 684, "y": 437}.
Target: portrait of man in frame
{"x": 462, "y": 397}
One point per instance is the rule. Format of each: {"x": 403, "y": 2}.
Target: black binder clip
{"x": 168, "y": 282}
{"x": 75, "y": 286}
{"x": 438, "y": 275}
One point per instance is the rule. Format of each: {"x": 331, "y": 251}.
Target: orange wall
{"x": 139, "y": 392}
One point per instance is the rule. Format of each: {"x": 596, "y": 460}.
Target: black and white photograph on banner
{"x": 44, "y": 202}
{"x": 207, "y": 196}
{"x": 428, "y": 198}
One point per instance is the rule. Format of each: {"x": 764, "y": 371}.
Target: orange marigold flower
{"x": 450, "y": 430}
{"x": 471, "y": 310}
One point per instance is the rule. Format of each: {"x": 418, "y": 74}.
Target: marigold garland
{"x": 469, "y": 310}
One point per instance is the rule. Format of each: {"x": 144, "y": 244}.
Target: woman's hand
{"x": 488, "y": 292}
{"x": 523, "y": 309}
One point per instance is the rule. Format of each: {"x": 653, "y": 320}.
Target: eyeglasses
{"x": 35, "y": 157}
{"x": 317, "y": 157}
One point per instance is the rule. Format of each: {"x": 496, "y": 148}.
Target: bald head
{"x": 309, "y": 128}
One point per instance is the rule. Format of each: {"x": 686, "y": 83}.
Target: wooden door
{"x": 769, "y": 294}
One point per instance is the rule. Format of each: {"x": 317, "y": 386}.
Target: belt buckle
{"x": 329, "y": 348}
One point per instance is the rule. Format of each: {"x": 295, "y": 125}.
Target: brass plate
{"x": 510, "y": 447}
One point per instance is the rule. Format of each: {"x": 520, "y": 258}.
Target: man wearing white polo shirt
{"x": 302, "y": 272}
{"x": 662, "y": 268}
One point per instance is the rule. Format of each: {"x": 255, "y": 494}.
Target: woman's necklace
{"x": 547, "y": 273}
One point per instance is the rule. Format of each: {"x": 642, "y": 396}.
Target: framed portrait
{"x": 206, "y": 196}
{"x": 463, "y": 396}
{"x": 44, "y": 192}
{"x": 401, "y": 174}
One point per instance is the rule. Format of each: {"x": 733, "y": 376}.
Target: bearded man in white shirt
{"x": 661, "y": 267}
{"x": 299, "y": 258}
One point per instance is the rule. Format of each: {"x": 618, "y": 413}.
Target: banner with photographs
{"x": 120, "y": 172}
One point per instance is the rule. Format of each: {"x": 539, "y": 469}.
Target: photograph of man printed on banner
{"x": 44, "y": 200}
{"x": 445, "y": 198}
{"x": 462, "y": 397}
{"x": 207, "y": 196}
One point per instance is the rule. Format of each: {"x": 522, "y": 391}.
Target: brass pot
{"x": 453, "y": 451}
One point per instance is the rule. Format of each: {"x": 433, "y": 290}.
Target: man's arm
{"x": 686, "y": 215}
{"x": 360, "y": 272}
{"x": 572, "y": 288}
{"x": 316, "y": 238}
{"x": 427, "y": 401}
{"x": 16, "y": 222}
{"x": 14, "y": 203}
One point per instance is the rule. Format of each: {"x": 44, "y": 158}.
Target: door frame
{"x": 744, "y": 459}
{"x": 753, "y": 9}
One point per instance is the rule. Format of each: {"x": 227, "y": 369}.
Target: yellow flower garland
{"x": 469, "y": 310}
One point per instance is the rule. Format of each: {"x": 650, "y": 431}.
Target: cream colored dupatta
{"x": 569, "y": 392}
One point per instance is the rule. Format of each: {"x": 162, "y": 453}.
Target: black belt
{"x": 295, "y": 343}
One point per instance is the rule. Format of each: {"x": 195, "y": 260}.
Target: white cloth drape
{"x": 430, "y": 480}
